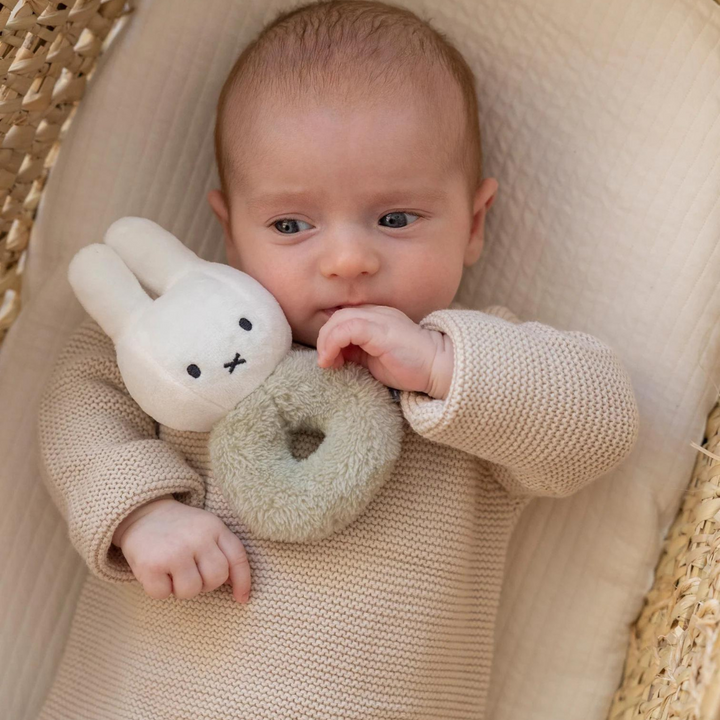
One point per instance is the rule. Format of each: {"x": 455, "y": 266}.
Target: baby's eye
{"x": 288, "y": 223}
{"x": 396, "y": 219}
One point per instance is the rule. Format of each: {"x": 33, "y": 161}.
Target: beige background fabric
{"x": 601, "y": 125}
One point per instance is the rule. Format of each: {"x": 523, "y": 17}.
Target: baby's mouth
{"x": 330, "y": 311}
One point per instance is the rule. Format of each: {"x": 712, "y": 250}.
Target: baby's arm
{"x": 112, "y": 478}
{"x": 551, "y": 410}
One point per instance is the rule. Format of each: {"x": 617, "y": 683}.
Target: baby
{"x": 348, "y": 148}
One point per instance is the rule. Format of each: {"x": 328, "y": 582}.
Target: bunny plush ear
{"x": 106, "y": 288}
{"x": 155, "y": 255}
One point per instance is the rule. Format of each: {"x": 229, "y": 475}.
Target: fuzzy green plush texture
{"x": 280, "y": 497}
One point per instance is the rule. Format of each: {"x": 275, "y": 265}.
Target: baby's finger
{"x": 239, "y": 566}
{"x": 356, "y": 331}
{"x": 213, "y": 567}
{"x": 341, "y": 316}
{"x": 158, "y": 586}
{"x": 186, "y": 579}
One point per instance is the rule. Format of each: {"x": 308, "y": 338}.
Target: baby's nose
{"x": 349, "y": 257}
{"x": 237, "y": 360}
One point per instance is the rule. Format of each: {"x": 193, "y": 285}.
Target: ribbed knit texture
{"x": 393, "y": 617}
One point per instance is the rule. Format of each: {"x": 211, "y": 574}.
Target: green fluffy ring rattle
{"x": 302, "y": 500}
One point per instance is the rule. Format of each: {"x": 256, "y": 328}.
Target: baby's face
{"x": 352, "y": 208}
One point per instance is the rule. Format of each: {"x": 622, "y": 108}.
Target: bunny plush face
{"x": 210, "y": 340}
{"x": 212, "y": 335}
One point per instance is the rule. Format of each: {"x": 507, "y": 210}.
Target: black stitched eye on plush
{"x": 193, "y": 370}
{"x": 245, "y": 324}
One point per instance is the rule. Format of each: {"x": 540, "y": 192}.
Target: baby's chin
{"x": 306, "y": 333}
{"x": 297, "y": 341}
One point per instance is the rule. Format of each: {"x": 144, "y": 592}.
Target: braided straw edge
{"x": 48, "y": 53}
{"x": 672, "y": 660}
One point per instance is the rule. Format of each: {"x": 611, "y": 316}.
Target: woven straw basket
{"x": 48, "y": 52}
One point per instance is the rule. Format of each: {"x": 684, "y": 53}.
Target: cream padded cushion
{"x": 600, "y": 123}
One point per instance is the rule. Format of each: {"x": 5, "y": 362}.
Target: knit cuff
{"x": 432, "y": 417}
{"x": 106, "y": 560}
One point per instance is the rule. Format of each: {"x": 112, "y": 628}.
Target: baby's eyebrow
{"x": 424, "y": 194}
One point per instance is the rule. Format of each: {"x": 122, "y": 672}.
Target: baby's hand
{"x": 398, "y": 352}
{"x": 173, "y": 548}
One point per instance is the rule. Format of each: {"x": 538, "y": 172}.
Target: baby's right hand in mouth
{"x": 173, "y": 548}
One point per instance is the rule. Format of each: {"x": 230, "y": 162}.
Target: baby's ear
{"x": 106, "y": 288}
{"x": 155, "y": 255}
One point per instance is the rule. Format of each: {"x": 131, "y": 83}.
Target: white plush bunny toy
{"x": 213, "y": 353}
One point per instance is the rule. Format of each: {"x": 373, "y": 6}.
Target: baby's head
{"x": 348, "y": 148}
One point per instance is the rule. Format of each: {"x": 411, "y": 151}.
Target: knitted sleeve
{"x": 550, "y": 410}
{"x": 100, "y": 457}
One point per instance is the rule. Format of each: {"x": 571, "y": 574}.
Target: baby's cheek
{"x": 431, "y": 285}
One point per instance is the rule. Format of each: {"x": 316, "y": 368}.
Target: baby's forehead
{"x": 435, "y": 125}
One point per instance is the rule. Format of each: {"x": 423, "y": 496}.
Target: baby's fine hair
{"x": 347, "y": 50}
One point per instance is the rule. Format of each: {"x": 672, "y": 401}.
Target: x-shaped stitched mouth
{"x": 234, "y": 363}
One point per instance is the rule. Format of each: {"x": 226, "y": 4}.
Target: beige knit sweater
{"x": 391, "y": 618}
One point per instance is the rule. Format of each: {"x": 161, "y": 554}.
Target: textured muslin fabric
{"x": 390, "y": 618}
